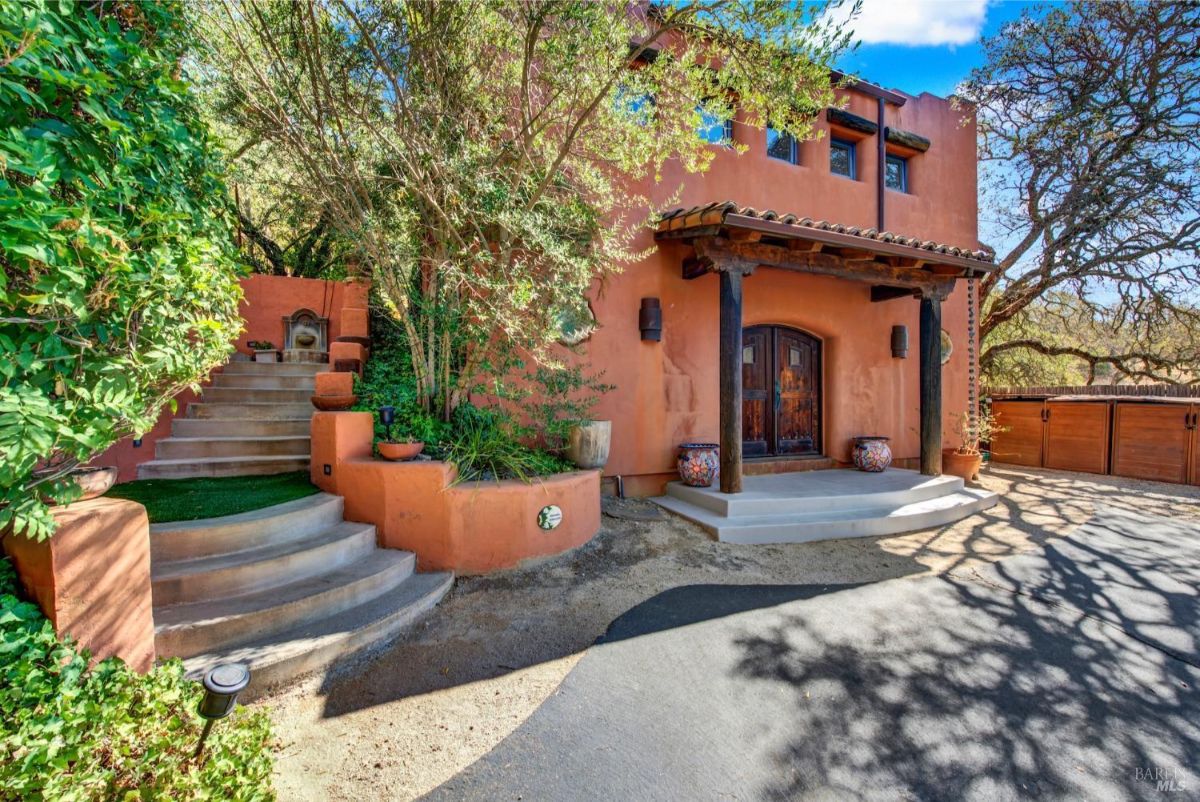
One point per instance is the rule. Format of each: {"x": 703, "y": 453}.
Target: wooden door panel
{"x": 798, "y": 372}
{"x": 1194, "y": 473}
{"x": 757, "y": 392}
{"x": 1021, "y": 444}
{"x": 1077, "y": 435}
{"x": 1150, "y": 441}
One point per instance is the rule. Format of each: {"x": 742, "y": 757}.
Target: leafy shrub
{"x": 70, "y": 733}
{"x": 120, "y": 278}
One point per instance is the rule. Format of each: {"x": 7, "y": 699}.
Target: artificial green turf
{"x": 190, "y": 499}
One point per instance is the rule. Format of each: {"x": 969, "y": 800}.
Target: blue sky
{"x": 925, "y": 45}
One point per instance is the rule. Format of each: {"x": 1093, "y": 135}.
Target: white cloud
{"x": 916, "y": 22}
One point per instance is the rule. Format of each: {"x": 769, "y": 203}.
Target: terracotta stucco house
{"x": 805, "y": 253}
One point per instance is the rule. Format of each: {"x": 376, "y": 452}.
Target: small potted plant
{"x": 396, "y": 450}
{"x": 264, "y": 350}
{"x": 966, "y": 460}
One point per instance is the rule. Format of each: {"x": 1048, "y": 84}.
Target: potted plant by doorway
{"x": 966, "y": 460}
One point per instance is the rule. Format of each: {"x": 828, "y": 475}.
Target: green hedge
{"x": 70, "y": 733}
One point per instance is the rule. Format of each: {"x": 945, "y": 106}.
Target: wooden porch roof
{"x": 724, "y": 218}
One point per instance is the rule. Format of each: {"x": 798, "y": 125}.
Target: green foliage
{"x": 119, "y": 285}
{"x": 210, "y": 497}
{"x": 69, "y": 733}
{"x": 484, "y": 445}
{"x": 488, "y": 159}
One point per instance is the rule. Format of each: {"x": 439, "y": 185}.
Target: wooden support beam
{"x": 856, "y": 255}
{"x": 731, "y": 381}
{"x": 931, "y": 384}
{"x": 884, "y": 293}
{"x": 695, "y": 268}
{"x": 688, "y": 233}
{"x": 744, "y": 235}
{"x": 805, "y": 245}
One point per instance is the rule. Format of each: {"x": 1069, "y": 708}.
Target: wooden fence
{"x": 1115, "y": 390}
{"x": 1142, "y": 438}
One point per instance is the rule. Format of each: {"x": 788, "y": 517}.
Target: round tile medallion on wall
{"x": 549, "y": 517}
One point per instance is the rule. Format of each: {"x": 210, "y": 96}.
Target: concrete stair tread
{"x": 172, "y": 569}
{"x": 229, "y": 460}
{"x": 244, "y": 531}
{"x": 317, "y": 644}
{"x": 215, "y": 611}
{"x": 223, "y": 438}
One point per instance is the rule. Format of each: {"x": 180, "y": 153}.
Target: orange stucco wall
{"x": 92, "y": 579}
{"x": 469, "y": 528}
{"x": 267, "y": 300}
{"x": 667, "y": 392}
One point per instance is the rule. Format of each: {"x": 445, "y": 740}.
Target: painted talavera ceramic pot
{"x": 699, "y": 463}
{"x": 872, "y": 453}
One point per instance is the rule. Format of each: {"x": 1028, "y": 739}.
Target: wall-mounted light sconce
{"x": 900, "y": 342}
{"x": 137, "y": 442}
{"x": 650, "y": 319}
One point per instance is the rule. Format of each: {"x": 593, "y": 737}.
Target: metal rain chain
{"x": 972, "y": 366}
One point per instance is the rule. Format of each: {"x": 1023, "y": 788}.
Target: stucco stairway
{"x": 287, "y": 590}
{"x": 253, "y": 419}
{"x": 823, "y": 505}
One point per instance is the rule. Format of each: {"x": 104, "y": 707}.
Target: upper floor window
{"x": 841, "y": 158}
{"x": 896, "y": 173}
{"x": 782, "y": 146}
{"x": 638, "y": 105}
{"x": 714, "y": 129}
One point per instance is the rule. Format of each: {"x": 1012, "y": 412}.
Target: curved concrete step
{"x": 222, "y": 466}
{"x": 836, "y": 523}
{"x": 225, "y": 427}
{"x": 292, "y": 520}
{"x": 226, "y": 446}
{"x": 250, "y": 410}
{"x": 234, "y": 394}
{"x": 185, "y": 630}
{"x": 317, "y": 645}
{"x": 264, "y": 382}
{"x": 242, "y": 572}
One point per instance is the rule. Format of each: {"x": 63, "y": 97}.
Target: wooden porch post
{"x": 931, "y": 384}
{"x": 731, "y": 379}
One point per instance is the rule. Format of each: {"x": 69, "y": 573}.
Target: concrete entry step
{"x": 821, "y": 505}
{"x": 186, "y": 630}
{"x": 321, "y": 643}
{"x": 211, "y": 427}
{"x": 272, "y": 565}
{"x": 222, "y": 466}
{"x": 250, "y": 410}
{"x": 292, "y": 520}
{"x": 184, "y": 447}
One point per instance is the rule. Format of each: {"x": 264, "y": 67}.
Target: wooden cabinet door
{"x": 758, "y": 391}
{"x": 798, "y": 409}
{"x": 1194, "y": 473}
{"x": 1021, "y": 443}
{"x": 1077, "y": 435}
{"x": 1151, "y": 441}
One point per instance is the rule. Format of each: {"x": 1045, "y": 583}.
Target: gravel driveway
{"x": 408, "y": 720}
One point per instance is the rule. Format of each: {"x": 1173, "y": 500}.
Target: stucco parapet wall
{"x": 466, "y": 527}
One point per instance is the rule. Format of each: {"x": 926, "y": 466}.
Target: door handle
{"x": 778, "y": 395}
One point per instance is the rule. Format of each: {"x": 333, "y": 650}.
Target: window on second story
{"x": 637, "y": 105}
{"x": 896, "y": 173}
{"x": 841, "y": 158}
{"x": 782, "y": 146}
{"x": 714, "y": 129}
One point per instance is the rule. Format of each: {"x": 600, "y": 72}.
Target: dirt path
{"x": 404, "y": 722}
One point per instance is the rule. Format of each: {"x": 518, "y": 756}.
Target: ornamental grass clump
{"x": 69, "y": 733}
{"x": 120, "y": 278}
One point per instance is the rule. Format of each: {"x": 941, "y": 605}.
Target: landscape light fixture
{"x": 387, "y": 416}
{"x": 222, "y": 684}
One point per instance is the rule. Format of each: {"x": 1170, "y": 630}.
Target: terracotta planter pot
{"x": 399, "y": 452}
{"x": 699, "y": 463}
{"x": 589, "y": 443}
{"x": 871, "y": 453}
{"x": 266, "y": 356}
{"x": 333, "y": 403}
{"x": 94, "y": 482}
{"x": 964, "y": 465}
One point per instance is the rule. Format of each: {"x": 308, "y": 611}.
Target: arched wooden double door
{"x": 781, "y": 392}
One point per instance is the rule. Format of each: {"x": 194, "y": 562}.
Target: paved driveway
{"x": 1071, "y": 673}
